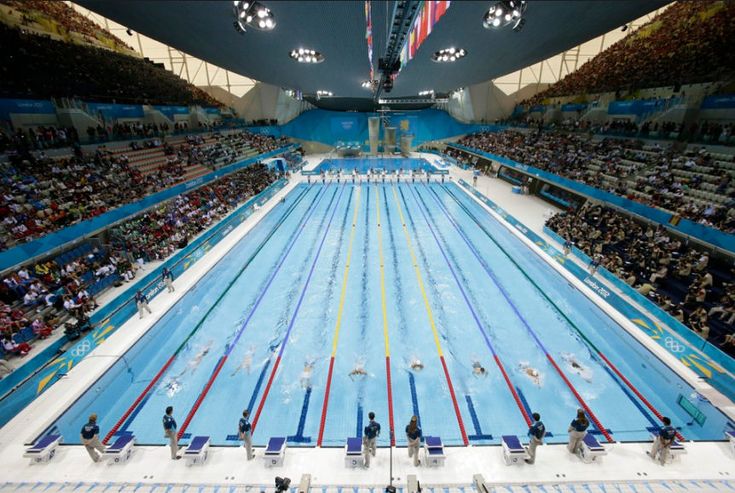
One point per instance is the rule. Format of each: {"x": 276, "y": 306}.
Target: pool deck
{"x": 227, "y": 466}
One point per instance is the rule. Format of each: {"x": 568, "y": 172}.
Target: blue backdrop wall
{"x": 330, "y": 127}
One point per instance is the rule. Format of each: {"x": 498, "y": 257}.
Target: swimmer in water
{"x": 306, "y": 375}
{"x": 173, "y": 385}
{"x": 247, "y": 362}
{"x": 577, "y": 367}
{"x": 478, "y": 370}
{"x": 357, "y": 372}
{"x": 530, "y": 372}
{"x": 416, "y": 365}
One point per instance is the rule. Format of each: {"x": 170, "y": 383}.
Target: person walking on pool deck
{"x": 168, "y": 280}
{"x": 577, "y": 431}
{"x": 142, "y": 302}
{"x": 244, "y": 432}
{"x": 413, "y": 434}
{"x": 371, "y": 432}
{"x": 91, "y": 438}
{"x": 663, "y": 441}
{"x": 169, "y": 431}
{"x": 536, "y": 434}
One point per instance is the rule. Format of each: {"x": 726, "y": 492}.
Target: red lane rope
{"x": 635, "y": 390}
{"x": 454, "y": 402}
{"x": 325, "y": 404}
{"x": 201, "y": 397}
{"x": 513, "y": 391}
{"x": 137, "y": 401}
{"x": 592, "y": 416}
{"x": 390, "y": 402}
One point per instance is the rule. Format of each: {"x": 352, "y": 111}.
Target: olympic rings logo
{"x": 81, "y": 349}
{"x": 673, "y": 345}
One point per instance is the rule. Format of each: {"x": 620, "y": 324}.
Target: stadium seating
{"x": 695, "y": 184}
{"x": 688, "y": 42}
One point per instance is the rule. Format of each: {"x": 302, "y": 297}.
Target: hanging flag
{"x": 369, "y": 37}
{"x": 429, "y": 14}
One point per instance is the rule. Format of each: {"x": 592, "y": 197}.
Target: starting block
{"x": 275, "y": 452}
{"x": 353, "y": 453}
{"x": 434, "y": 452}
{"x": 43, "y": 450}
{"x": 121, "y": 450}
{"x": 591, "y": 450}
{"x": 730, "y": 435}
{"x": 676, "y": 450}
{"x": 197, "y": 451}
{"x": 513, "y": 451}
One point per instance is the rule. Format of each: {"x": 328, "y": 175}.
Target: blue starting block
{"x": 197, "y": 451}
{"x": 591, "y": 450}
{"x": 353, "y": 453}
{"x": 434, "y": 452}
{"x": 513, "y": 451}
{"x": 275, "y": 452}
{"x": 121, "y": 450}
{"x": 43, "y": 450}
{"x": 730, "y": 435}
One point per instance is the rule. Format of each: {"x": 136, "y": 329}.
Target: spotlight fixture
{"x": 430, "y": 92}
{"x": 369, "y": 84}
{"x": 324, "y": 94}
{"x": 448, "y": 55}
{"x": 505, "y": 13}
{"x": 249, "y": 13}
{"x": 303, "y": 55}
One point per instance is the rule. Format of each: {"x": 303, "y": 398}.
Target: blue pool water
{"x": 432, "y": 277}
{"x": 362, "y": 165}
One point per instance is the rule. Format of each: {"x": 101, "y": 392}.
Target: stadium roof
{"x": 337, "y": 29}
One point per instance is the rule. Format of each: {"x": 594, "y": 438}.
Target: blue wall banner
{"x": 112, "y": 111}
{"x": 635, "y": 106}
{"x": 574, "y": 106}
{"x": 330, "y": 127}
{"x": 699, "y": 356}
{"x": 707, "y": 234}
{"x": 25, "y": 251}
{"x": 726, "y": 101}
{"x": 25, "y": 106}
{"x": 115, "y": 313}
{"x": 171, "y": 111}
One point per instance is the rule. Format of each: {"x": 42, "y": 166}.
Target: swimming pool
{"x": 316, "y": 317}
{"x": 363, "y": 164}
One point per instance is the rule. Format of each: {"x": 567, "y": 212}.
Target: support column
{"x": 373, "y": 134}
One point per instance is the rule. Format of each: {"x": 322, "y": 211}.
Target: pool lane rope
{"x": 241, "y": 330}
{"x": 137, "y": 402}
{"x": 295, "y": 314}
{"x": 622, "y": 377}
{"x": 432, "y": 324}
{"x": 384, "y": 312}
{"x": 489, "y": 344}
{"x": 338, "y": 323}
{"x": 523, "y": 320}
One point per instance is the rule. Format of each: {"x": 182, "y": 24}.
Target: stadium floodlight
{"x": 253, "y": 14}
{"x": 449, "y": 54}
{"x": 303, "y": 55}
{"x": 505, "y": 13}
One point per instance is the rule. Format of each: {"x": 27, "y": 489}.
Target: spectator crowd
{"x": 86, "y": 72}
{"x": 39, "y": 195}
{"x": 689, "y": 42}
{"x": 657, "y": 177}
{"x": 37, "y": 299}
{"x": 694, "y": 288}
